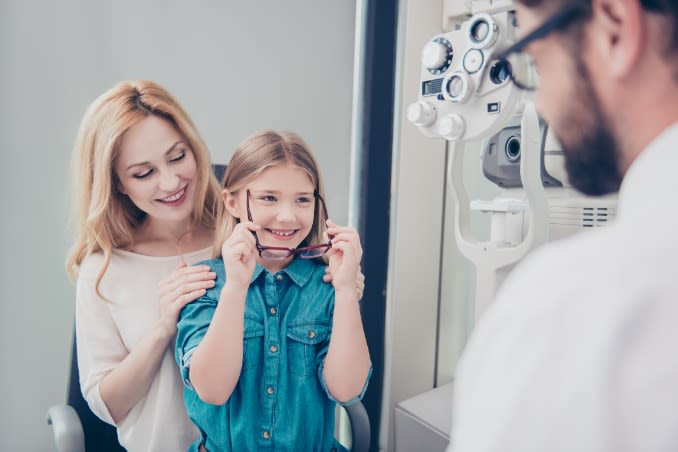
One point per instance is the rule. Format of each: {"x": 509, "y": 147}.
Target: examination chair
{"x": 77, "y": 429}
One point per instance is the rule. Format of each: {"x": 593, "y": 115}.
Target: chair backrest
{"x": 219, "y": 170}
{"x": 99, "y": 436}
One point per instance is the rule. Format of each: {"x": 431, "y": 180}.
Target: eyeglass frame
{"x": 291, "y": 251}
{"x": 556, "y": 22}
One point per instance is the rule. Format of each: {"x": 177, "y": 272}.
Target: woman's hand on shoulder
{"x": 239, "y": 253}
{"x": 344, "y": 256}
{"x": 183, "y": 285}
{"x": 359, "y": 281}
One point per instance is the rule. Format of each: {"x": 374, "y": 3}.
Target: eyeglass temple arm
{"x": 557, "y": 21}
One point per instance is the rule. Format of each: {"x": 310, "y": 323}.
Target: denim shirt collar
{"x": 299, "y": 271}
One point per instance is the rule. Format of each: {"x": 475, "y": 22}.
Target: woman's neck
{"x": 169, "y": 239}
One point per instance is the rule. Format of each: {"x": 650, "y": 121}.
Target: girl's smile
{"x": 283, "y": 235}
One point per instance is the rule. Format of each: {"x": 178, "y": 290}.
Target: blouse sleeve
{"x": 99, "y": 345}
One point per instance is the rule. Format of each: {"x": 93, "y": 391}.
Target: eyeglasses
{"x": 519, "y": 64}
{"x": 281, "y": 252}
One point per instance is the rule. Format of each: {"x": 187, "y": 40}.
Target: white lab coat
{"x": 579, "y": 352}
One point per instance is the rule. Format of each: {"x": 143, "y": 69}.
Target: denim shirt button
{"x": 273, "y": 310}
{"x": 266, "y": 434}
{"x": 274, "y": 348}
{"x": 270, "y": 390}
{"x": 311, "y": 334}
{"x": 279, "y": 277}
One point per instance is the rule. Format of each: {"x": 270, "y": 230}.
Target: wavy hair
{"x": 104, "y": 218}
{"x": 257, "y": 153}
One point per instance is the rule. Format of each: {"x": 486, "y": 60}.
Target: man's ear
{"x": 619, "y": 34}
{"x": 231, "y": 203}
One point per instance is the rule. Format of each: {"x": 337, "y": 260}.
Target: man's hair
{"x": 667, "y": 8}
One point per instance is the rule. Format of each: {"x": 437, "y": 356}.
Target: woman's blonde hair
{"x": 258, "y": 152}
{"x": 103, "y": 217}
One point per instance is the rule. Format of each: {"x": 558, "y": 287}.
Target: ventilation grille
{"x": 584, "y": 217}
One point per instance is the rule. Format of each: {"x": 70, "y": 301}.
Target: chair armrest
{"x": 360, "y": 426}
{"x": 68, "y": 433}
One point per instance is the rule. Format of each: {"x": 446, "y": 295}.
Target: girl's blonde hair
{"x": 103, "y": 217}
{"x": 258, "y": 152}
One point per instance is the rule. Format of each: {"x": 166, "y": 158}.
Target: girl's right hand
{"x": 239, "y": 253}
{"x": 183, "y": 285}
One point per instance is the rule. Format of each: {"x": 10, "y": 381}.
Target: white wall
{"x": 416, "y": 229}
{"x": 236, "y": 66}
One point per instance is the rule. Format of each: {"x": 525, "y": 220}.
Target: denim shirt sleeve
{"x": 194, "y": 320}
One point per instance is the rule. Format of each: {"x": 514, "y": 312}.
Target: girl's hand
{"x": 344, "y": 256}
{"x": 359, "y": 283}
{"x": 239, "y": 252}
{"x": 183, "y": 285}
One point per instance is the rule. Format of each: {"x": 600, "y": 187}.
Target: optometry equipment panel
{"x": 465, "y": 93}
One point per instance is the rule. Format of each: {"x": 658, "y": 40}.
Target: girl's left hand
{"x": 344, "y": 256}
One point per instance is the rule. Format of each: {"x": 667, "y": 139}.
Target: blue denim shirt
{"x": 281, "y": 401}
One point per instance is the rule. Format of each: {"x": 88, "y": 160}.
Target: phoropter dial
{"x": 437, "y": 56}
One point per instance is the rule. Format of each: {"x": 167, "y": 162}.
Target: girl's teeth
{"x": 285, "y": 234}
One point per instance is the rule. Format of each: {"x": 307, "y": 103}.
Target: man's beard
{"x": 590, "y": 148}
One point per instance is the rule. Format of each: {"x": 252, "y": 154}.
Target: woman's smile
{"x": 175, "y": 199}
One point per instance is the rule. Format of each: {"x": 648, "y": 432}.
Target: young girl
{"x": 268, "y": 351}
{"x": 145, "y": 200}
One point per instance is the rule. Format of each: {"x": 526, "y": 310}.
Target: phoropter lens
{"x": 512, "y": 148}
{"x": 482, "y": 31}
{"x": 479, "y": 31}
{"x": 455, "y": 87}
{"x": 500, "y": 72}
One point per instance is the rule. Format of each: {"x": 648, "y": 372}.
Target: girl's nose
{"x": 286, "y": 212}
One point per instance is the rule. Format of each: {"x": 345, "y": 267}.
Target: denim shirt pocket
{"x": 253, "y": 343}
{"x": 303, "y": 342}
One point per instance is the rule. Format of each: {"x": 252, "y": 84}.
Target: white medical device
{"x": 466, "y": 95}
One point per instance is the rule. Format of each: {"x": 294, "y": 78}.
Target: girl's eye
{"x": 143, "y": 175}
{"x": 269, "y": 198}
{"x": 178, "y": 157}
{"x": 304, "y": 200}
